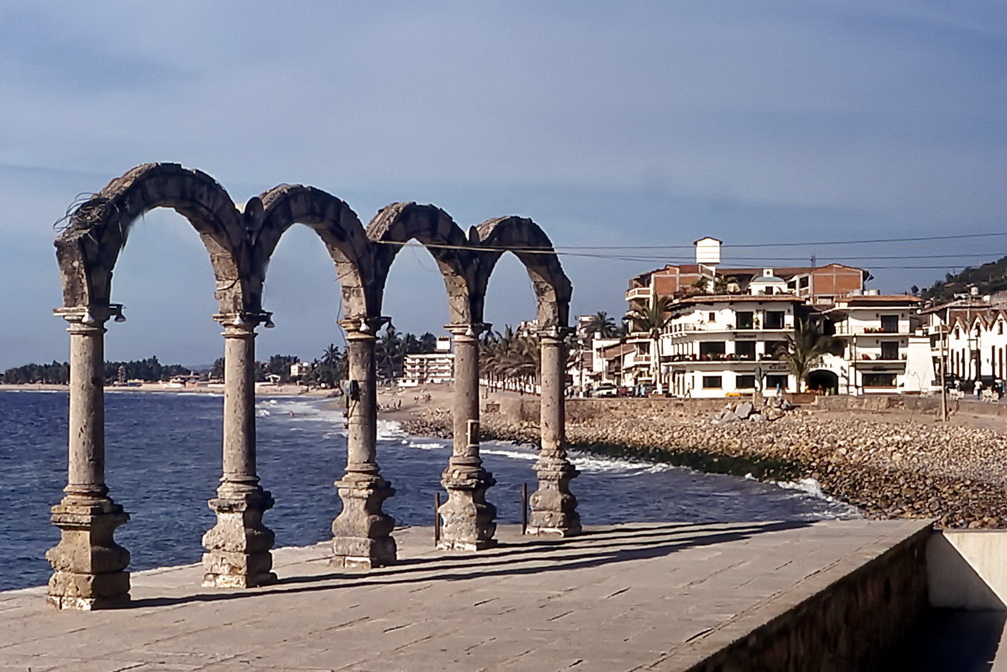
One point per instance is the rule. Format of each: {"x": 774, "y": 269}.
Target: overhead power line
{"x": 791, "y": 243}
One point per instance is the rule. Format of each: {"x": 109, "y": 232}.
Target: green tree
{"x": 651, "y": 320}
{"x": 805, "y": 348}
{"x": 601, "y": 326}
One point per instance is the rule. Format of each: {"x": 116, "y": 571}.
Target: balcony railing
{"x": 843, "y": 330}
{"x": 691, "y": 327}
{"x": 638, "y": 293}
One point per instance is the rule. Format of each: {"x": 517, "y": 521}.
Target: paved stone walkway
{"x": 630, "y": 597}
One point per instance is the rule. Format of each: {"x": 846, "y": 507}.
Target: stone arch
{"x": 398, "y": 223}
{"x": 533, "y": 248}
{"x": 87, "y": 250}
{"x": 276, "y": 210}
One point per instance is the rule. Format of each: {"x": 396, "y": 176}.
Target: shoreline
{"x": 889, "y": 465}
{"x": 261, "y": 390}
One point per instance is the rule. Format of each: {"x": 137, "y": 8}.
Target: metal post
{"x": 944, "y": 387}
{"x": 437, "y": 518}
{"x": 524, "y": 508}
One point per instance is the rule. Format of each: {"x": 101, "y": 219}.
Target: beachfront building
{"x": 435, "y": 367}
{"x": 970, "y": 334}
{"x": 719, "y": 345}
{"x": 885, "y": 349}
{"x": 724, "y": 327}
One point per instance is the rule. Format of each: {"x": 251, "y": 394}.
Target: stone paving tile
{"x": 617, "y": 598}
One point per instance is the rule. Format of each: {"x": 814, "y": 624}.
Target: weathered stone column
{"x": 467, "y": 516}
{"x": 238, "y": 545}
{"x": 553, "y": 506}
{"x": 89, "y": 566}
{"x": 362, "y": 531}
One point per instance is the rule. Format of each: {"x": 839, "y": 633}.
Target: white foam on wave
{"x": 300, "y": 410}
{"x": 812, "y": 487}
{"x": 513, "y": 454}
{"x": 321, "y": 410}
{"x": 430, "y": 445}
{"x": 597, "y": 463}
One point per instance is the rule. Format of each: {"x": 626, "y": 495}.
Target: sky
{"x": 625, "y": 130}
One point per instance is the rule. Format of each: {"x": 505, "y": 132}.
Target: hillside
{"x": 990, "y": 277}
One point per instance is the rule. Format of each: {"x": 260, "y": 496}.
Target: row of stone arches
{"x": 90, "y": 568}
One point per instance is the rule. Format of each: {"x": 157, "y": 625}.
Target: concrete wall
{"x": 847, "y": 625}
{"x": 967, "y": 569}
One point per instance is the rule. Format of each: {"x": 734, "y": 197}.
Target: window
{"x": 745, "y": 382}
{"x": 889, "y": 324}
{"x": 712, "y": 382}
{"x": 744, "y": 349}
{"x": 1000, "y": 328}
{"x": 712, "y": 349}
{"x": 771, "y": 347}
{"x": 889, "y": 350}
{"x": 712, "y": 317}
{"x": 879, "y": 380}
{"x": 774, "y": 319}
{"x": 746, "y": 319}
{"x": 772, "y": 382}
{"x": 805, "y": 282}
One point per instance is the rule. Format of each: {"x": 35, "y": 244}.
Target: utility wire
{"x": 584, "y": 253}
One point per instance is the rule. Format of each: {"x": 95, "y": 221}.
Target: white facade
{"x": 719, "y": 346}
{"x": 882, "y": 350}
{"x": 437, "y": 367}
{"x": 727, "y": 345}
{"x": 974, "y": 340}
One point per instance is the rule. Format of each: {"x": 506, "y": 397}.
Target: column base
{"x": 237, "y": 570}
{"x": 467, "y": 518}
{"x": 363, "y": 553}
{"x": 361, "y": 533}
{"x": 238, "y": 545}
{"x": 89, "y": 566}
{"x": 88, "y": 592}
{"x": 553, "y": 506}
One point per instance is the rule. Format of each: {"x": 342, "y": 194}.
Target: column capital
{"x": 553, "y": 335}
{"x": 89, "y": 319}
{"x": 243, "y": 322}
{"x": 473, "y": 330}
{"x": 363, "y": 328}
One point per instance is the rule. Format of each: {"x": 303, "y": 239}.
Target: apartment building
{"x": 434, "y": 367}
{"x": 970, "y": 335}
{"x": 725, "y": 326}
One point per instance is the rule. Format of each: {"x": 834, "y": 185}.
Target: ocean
{"x": 163, "y": 456}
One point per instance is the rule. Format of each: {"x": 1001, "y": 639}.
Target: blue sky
{"x": 611, "y": 124}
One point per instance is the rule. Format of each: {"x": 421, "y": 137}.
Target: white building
{"x": 717, "y": 345}
{"x": 435, "y": 367}
{"x": 726, "y": 326}
{"x": 883, "y": 350}
{"x": 971, "y": 335}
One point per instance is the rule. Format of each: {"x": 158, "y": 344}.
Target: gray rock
{"x": 757, "y": 417}
{"x": 730, "y": 416}
{"x": 743, "y": 410}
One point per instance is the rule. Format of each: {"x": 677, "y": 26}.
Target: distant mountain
{"x": 990, "y": 277}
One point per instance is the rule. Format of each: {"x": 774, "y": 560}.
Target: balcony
{"x": 637, "y": 293}
{"x": 844, "y": 330}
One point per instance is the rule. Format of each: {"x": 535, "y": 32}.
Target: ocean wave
{"x": 810, "y": 486}
{"x": 430, "y": 445}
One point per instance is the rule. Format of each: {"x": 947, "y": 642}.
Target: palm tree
{"x": 805, "y": 348}
{"x": 602, "y": 326}
{"x": 652, "y": 320}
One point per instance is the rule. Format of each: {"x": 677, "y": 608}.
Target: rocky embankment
{"x": 882, "y": 464}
